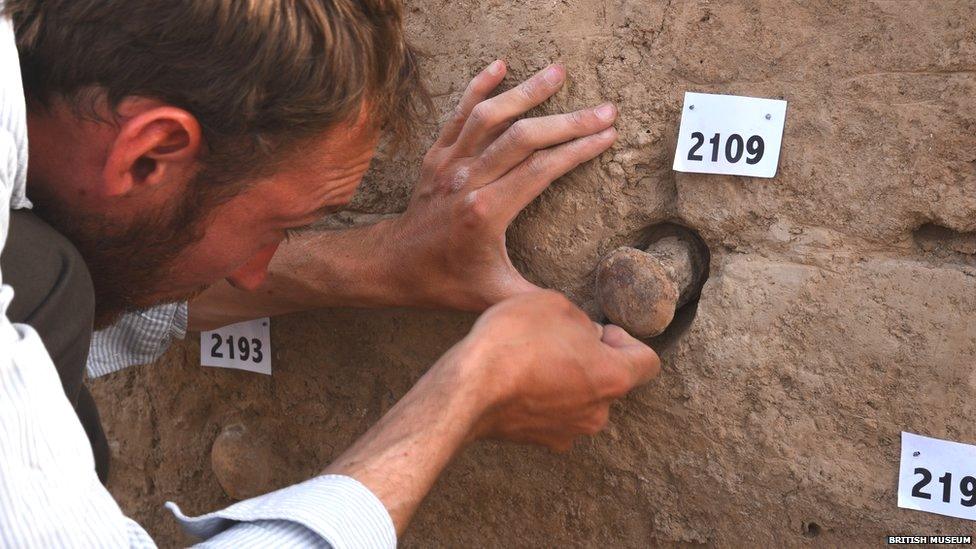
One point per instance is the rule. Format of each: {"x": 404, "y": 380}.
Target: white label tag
{"x": 244, "y": 346}
{"x": 937, "y": 476}
{"x": 730, "y": 134}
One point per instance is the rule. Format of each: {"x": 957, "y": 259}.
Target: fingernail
{"x": 605, "y": 111}
{"x": 552, "y": 76}
{"x": 607, "y": 133}
{"x": 496, "y": 67}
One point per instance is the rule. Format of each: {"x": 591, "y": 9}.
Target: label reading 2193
{"x": 243, "y": 346}
{"x": 728, "y": 134}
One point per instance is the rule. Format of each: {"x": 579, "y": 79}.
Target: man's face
{"x": 164, "y": 242}
{"x": 240, "y": 236}
{"x": 168, "y": 250}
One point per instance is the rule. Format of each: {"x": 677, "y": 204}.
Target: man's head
{"x": 175, "y": 143}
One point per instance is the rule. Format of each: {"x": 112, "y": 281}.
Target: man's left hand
{"x": 484, "y": 168}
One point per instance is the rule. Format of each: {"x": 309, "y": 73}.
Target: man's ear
{"x": 156, "y": 144}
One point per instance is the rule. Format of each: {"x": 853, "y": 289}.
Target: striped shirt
{"x": 136, "y": 338}
{"x": 50, "y": 495}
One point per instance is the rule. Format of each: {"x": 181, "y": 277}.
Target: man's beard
{"x": 130, "y": 265}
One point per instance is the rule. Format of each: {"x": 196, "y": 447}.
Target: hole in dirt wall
{"x": 684, "y": 316}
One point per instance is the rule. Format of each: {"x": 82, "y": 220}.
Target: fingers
{"x": 476, "y": 92}
{"x": 641, "y": 361}
{"x": 528, "y": 135}
{"x": 488, "y": 117}
{"x": 508, "y": 195}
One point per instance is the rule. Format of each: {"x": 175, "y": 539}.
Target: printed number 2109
{"x": 246, "y": 348}
{"x": 734, "y": 148}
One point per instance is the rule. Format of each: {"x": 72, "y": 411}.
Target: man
{"x": 176, "y": 144}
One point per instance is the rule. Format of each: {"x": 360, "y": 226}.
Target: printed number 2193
{"x": 246, "y": 349}
{"x": 734, "y": 148}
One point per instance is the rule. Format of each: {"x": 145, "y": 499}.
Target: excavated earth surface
{"x": 840, "y": 308}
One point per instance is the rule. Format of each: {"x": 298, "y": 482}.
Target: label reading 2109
{"x": 728, "y": 134}
{"x": 734, "y": 147}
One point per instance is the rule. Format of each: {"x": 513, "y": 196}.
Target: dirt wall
{"x": 839, "y": 311}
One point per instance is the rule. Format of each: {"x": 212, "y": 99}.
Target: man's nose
{"x": 251, "y": 275}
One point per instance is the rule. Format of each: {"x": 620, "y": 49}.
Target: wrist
{"x": 349, "y": 267}
{"x": 380, "y": 264}
{"x": 408, "y": 273}
{"x": 466, "y": 373}
{"x": 423, "y": 273}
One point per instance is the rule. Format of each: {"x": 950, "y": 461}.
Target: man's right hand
{"x": 533, "y": 369}
{"x": 549, "y": 374}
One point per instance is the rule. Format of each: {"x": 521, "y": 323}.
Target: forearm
{"x": 400, "y": 458}
{"x": 369, "y": 494}
{"x": 312, "y": 270}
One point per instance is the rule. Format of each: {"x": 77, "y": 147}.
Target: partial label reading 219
{"x": 246, "y": 348}
{"x": 734, "y": 148}
{"x": 967, "y": 487}
{"x": 937, "y": 476}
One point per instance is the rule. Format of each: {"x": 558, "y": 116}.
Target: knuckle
{"x": 579, "y": 150}
{"x": 483, "y": 114}
{"x": 527, "y": 90}
{"x": 486, "y": 160}
{"x": 459, "y": 179}
{"x": 429, "y": 164}
{"x": 443, "y": 175}
{"x": 578, "y": 118}
{"x": 457, "y": 112}
{"x": 458, "y": 115}
{"x": 474, "y": 210}
{"x": 519, "y": 132}
{"x": 536, "y": 165}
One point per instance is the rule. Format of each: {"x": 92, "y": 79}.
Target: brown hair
{"x": 259, "y": 75}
